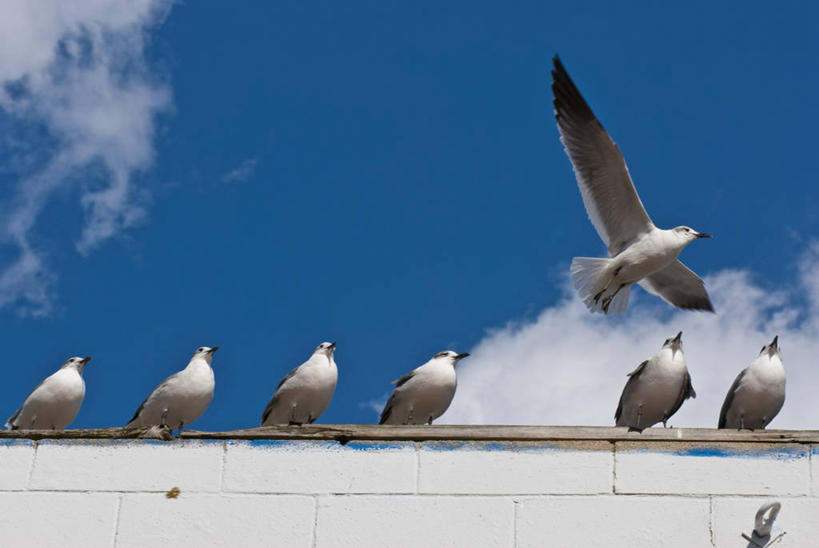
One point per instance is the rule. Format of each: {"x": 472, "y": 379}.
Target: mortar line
{"x": 711, "y": 519}
{"x": 116, "y": 521}
{"x": 417, "y": 466}
{"x": 224, "y": 463}
{"x": 613, "y": 468}
{"x": 314, "y": 540}
{"x": 31, "y": 466}
{"x": 514, "y": 523}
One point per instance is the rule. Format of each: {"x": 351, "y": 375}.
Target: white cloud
{"x": 569, "y": 366}
{"x": 77, "y": 72}
{"x": 241, "y": 173}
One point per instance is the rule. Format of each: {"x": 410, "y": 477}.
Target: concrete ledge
{"x": 369, "y": 432}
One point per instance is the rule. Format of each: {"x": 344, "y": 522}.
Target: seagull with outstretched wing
{"x": 640, "y": 252}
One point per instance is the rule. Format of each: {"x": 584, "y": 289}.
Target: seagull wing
{"x": 611, "y": 200}
{"x": 272, "y": 403}
{"x": 729, "y": 399}
{"x": 159, "y": 390}
{"x": 687, "y": 391}
{"x": 678, "y": 285}
{"x": 632, "y": 380}
{"x": 385, "y": 414}
{"x": 10, "y": 423}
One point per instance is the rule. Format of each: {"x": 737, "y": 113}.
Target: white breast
{"x": 55, "y": 403}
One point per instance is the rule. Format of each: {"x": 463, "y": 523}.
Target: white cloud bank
{"x": 568, "y": 367}
{"x": 74, "y": 82}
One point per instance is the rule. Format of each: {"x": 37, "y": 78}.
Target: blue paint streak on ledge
{"x": 328, "y": 444}
{"x": 126, "y": 442}
{"x": 16, "y": 441}
{"x": 778, "y": 453}
{"x": 533, "y": 447}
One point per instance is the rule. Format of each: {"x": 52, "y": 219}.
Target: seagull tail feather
{"x": 589, "y": 279}
{"x": 620, "y": 301}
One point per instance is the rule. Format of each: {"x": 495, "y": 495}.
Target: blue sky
{"x": 385, "y": 175}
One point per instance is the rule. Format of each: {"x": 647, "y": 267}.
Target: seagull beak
{"x": 333, "y": 345}
{"x": 775, "y": 344}
{"x": 85, "y": 360}
{"x": 459, "y": 357}
{"x": 678, "y": 338}
{"x": 703, "y": 235}
{"x": 214, "y": 349}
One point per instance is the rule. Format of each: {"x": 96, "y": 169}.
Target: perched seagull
{"x": 181, "y": 398}
{"x": 640, "y": 252}
{"x": 656, "y": 389}
{"x": 55, "y": 402}
{"x": 758, "y": 392}
{"x": 305, "y": 392}
{"x": 425, "y": 393}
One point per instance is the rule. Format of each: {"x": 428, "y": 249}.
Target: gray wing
{"x": 687, "y": 391}
{"x": 385, "y": 414}
{"x": 272, "y": 403}
{"x": 10, "y": 423}
{"x": 159, "y": 389}
{"x": 678, "y": 285}
{"x": 729, "y": 399}
{"x": 611, "y": 200}
{"x": 633, "y": 376}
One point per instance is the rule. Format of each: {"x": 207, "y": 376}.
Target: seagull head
{"x": 205, "y": 353}
{"x": 687, "y": 234}
{"x": 326, "y": 349}
{"x": 450, "y": 356}
{"x": 77, "y": 363}
{"x": 675, "y": 343}
{"x": 772, "y": 349}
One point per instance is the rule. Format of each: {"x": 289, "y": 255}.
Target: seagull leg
{"x": 640, "y": 415}
{"x": 742, "y": 422}
{"x": 163, "y": 418}
{"x": 181, "y": 426}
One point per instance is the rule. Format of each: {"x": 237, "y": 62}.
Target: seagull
{"x": 640, "y": 252}
{"x": 656, "y": 389}
{"x": 181, "y": 398}
{"x": 305, "y": 392}
{"x": 423, "y": 394}
{"x": 758, "y": 392}
{"x": 55, "y": 402}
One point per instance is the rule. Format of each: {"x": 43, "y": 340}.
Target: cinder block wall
{"x": 109, "y": 492}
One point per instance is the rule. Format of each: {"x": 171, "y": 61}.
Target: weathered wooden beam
{"x": 367, "y": 432}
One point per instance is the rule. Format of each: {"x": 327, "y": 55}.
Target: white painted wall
{"x": 290, "y": 493}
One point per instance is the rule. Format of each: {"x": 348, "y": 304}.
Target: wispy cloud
{"x": 241, "y": 173}
{"x": 569, "y": 366}
{"x": 74, "y": 81}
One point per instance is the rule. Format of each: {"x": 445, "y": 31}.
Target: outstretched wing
{"x": 729, "y": 399}
{"x": 611, "y": 200}
{"x": 632, "y": 380}
{"x": 678, "y": 285}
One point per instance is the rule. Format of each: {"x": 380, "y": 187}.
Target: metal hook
{"x": 761, "y": 535}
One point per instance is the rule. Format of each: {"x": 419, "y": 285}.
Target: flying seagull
{"x": 55, "y": 402}
{"x": 758, "y": 392}
{"x": 305, "y": 392}
{"x": 181, "y": 398}
{"x": 656, "y": 389}
{"x": 640, "y": 252}
{"x": 425, "y": 393}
